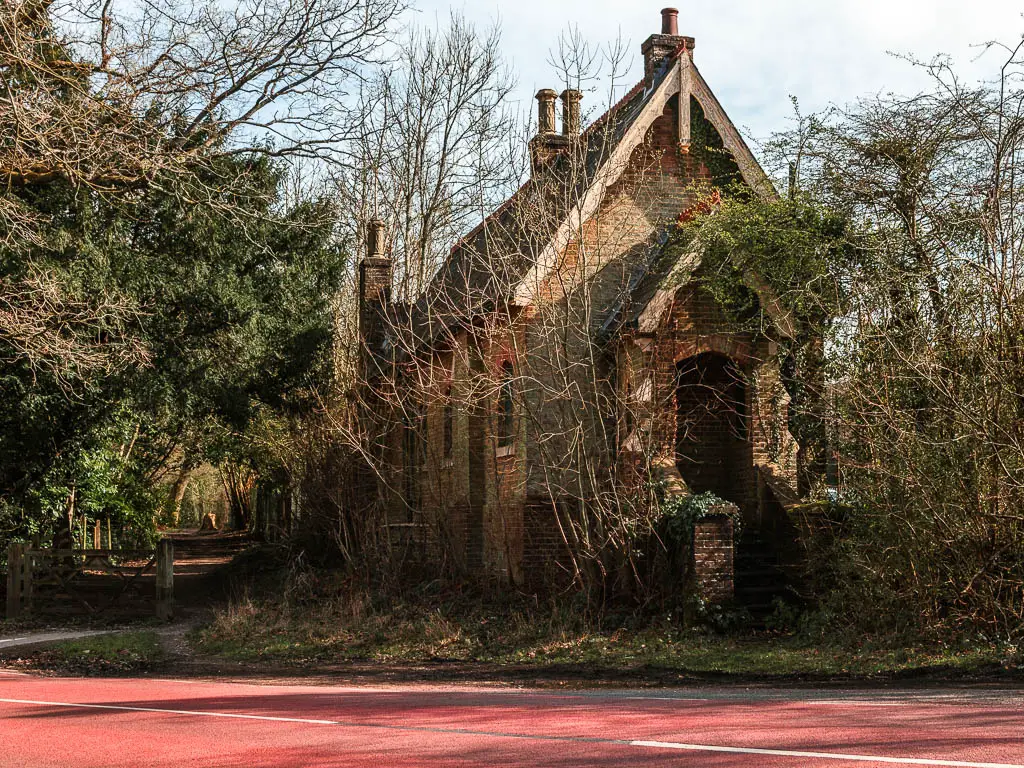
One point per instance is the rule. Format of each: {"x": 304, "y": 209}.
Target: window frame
{"x": 506, "y": 431}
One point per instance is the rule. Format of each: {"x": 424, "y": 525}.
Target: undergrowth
{"x": 323, "y": 618}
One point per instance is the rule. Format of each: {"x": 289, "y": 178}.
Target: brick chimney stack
{"x": 546, "y": 111}
{"x": 571, "y": 124}
{"x": 375, "y": 268}
{"x": 374, "y": 285}
{"x": 657, "y": 48}
{"x": 545, "y": 146}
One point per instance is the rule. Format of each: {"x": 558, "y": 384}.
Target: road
{"x": 154, "y": 723}
{"x": 44, "y": 637}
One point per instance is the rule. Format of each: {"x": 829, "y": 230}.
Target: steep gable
{"x": 513, "y": 255}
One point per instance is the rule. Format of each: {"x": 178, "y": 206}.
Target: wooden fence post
{"x": 110, "y": 541}
{"x": 27, "y": 575}
{"x": 165, "y": 579}
{"x": 97, "y": 538}
{"x": 14, "y": 577}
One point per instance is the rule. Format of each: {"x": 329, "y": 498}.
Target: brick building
{"x": 567, "y": 356}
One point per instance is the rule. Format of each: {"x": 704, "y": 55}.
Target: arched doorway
{"x": 712, "y": 441}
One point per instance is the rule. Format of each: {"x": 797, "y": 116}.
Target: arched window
{"x": 506, "y": 406}
{"x": 449, "y": 423}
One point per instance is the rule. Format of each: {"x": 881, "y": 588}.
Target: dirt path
{"x": 199, "y": 563}
{"x": 201, "y": 582}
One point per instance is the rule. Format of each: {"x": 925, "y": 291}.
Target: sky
{"x": 755, "y": 54}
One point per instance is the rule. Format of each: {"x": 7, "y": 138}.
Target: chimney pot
{"x": 374, "y": 238}
{"x": 571, "y": 124}
{"x": 546, "y": 111}
{"x": 668, "y": 43}
{"x": 669, "y": 21}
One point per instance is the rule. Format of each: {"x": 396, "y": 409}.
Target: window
{"x": 506, "y": 407}
{"x": 449, "y": 423}
{"x": 414, "y": 450}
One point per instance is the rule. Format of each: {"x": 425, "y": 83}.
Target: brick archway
{"x": 724, "y": 345}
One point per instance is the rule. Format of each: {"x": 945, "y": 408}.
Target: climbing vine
{"x": 707, "y": 146}
{"x": 785, "y": 257}
{"x": 679, "y": 515}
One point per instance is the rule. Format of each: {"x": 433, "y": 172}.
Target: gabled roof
{"x": 678, "y": 75}
{"x": 488, "y": 263}
{"x": 507, "y": 257}
{"x": 649, "y": 299}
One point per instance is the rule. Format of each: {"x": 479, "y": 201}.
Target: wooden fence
{"x": 37, "y": 577}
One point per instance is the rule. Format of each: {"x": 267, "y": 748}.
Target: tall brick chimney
{"x": 374, "y": 285}
{"x": 657, "y": 48}
{"x": 571, "y": 125}
{"x": 546, "y": 111}
{"x": 547, "y": 143}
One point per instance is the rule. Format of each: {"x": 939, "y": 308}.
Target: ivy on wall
{"x": 680, "y": 514}
{"x": 707, "y": 146}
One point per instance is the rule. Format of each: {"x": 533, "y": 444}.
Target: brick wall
{"x": 493, "y": 512}
{"x": 546, "y": 562}
{"x": 693, "y": 326}
{"x": 470, "y": 492}
{"x": 374, "y": 294}
{"x": 694, "y": 333}
{"x": 713, "y": 562}
{"x": 575, "y": 377}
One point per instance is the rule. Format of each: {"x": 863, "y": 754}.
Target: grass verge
{"x": 124, "y": 653}
{"x": 533, "y": 641}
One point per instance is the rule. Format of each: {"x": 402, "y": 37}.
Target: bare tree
{"x": 437, "y": 147}
{"x": 113, "y": 98}
{"x": 923, "y": 357}
{"x": 109, "y": 94}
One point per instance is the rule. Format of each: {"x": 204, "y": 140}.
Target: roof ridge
{"x": 633, "y": 91}
{"x": 597, "y": 123}
{"x": 614, "y": 108}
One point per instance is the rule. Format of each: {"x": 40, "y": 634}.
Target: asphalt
{"x": 25, "y": 639}
{"x": 124, "y": 722}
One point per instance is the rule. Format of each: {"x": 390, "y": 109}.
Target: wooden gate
{"x": 93, "y": 580}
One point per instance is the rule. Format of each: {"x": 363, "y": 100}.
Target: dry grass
{"x": 359, "y": 626}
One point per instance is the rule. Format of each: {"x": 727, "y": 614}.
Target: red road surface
{"x": 156, "y": 723}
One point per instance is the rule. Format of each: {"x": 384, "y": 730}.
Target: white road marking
{"x": 850, "y": 703}
{"x": 820, "y": 755}
{"x": 661, "y": 698}
{"x": 855, "y": 703}
{"x": 39, "y": 638}
{"x": 537, "y": 737}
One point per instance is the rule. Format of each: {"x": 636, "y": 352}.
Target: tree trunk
{"x": 177, "y": 495}
{"x": 238, "y": 484}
